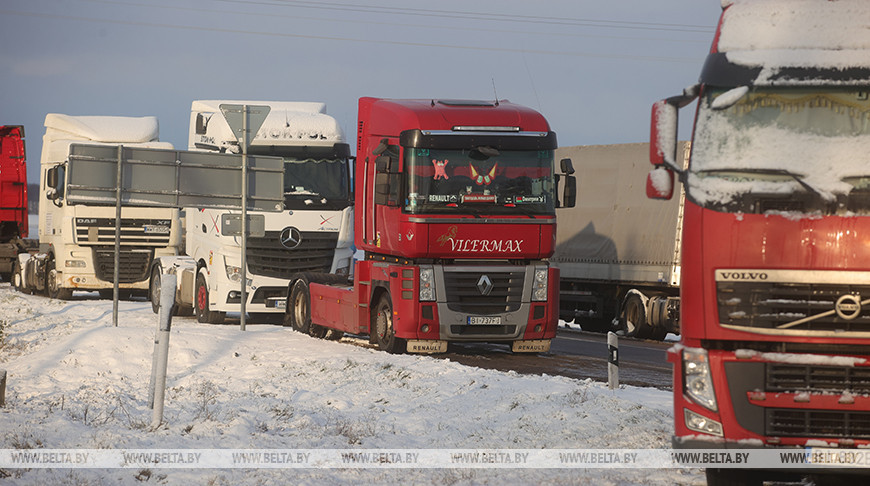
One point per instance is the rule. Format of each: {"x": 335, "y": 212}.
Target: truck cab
{"x": 455, "y": 214}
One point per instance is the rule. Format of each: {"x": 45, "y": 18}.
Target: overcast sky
{"x": 592, "y": 67}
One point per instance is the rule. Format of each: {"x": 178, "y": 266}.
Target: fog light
{"x": 538, "y": 328}
{"x": 700, "y": 423}
{"x": 74, "y": 263}
{"x": 424, "y": 328}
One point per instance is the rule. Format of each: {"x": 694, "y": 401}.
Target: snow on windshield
{"x": 821, "y": 137}
{"x": 791, "y": 33}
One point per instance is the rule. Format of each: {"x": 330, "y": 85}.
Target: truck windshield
{"x": 480, "y": 180}
{"x": 804, "y": 150}
{"x": 315, "y": 183}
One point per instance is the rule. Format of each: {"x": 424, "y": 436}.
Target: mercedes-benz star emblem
{"x": 484, "y": 285}
{"x": 290, "y": 237}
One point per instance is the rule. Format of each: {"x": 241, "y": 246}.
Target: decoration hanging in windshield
{"x": 482, "y": 180}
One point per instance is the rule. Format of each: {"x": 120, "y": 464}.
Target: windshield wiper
{"x": 799, "y": 178}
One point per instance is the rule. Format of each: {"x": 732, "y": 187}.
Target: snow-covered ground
{"x": 77, "y": 382}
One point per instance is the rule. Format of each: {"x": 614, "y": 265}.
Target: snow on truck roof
{"x": 105, "y": 129}
{"x": 288, "y": 122}
{"x": 796, "y": 33}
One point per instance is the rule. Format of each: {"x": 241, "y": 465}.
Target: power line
{"x": 394, "y": 24}
{"x": 350, "y": 39}
{"x": 486, "y": 16}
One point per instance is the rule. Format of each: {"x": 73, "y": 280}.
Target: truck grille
{"x": 138, "y": 232}
{"x": 772, "y": 305}
{"x": 792, "y": 378}
{"x": 769, "y": 377}
{"x": 817, "y": 423}
{"x": 463, "y": 294}
{"x": 134, "y": 264}
{"x": 267, "y": 257}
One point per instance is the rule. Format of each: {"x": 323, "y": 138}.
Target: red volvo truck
{"x": 455, "y": 215}
{"x": 13, "y": 198}
{"x": 775, "y": 314}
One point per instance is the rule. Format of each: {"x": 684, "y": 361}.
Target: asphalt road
{"x": 575, "y": 354}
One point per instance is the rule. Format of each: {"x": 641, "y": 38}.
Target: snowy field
{"x": 77, "y": 382}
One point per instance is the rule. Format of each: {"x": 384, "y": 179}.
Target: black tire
{"x": 203, "y": 313}
{"x": 154, "y": 290}
{"x": 51, "y": 286}
{"x": 299, "y": 307}
{"x": 382, "y": 327}
{"x": 634, "y": 319}
{"x": 733, "y": 477}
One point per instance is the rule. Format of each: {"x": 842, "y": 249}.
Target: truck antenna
{"x": 494, "y": 91}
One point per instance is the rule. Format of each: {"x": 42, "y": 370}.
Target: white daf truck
{"x": 76, "y": 241}
{"x": 312, "y": 234}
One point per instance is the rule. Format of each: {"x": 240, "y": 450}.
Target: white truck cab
{"x": 312, "y": 233}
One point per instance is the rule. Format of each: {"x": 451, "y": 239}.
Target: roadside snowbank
{"x": 77, "y": 382}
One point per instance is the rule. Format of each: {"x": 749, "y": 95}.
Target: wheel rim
{"x": 201, "y": 298}
{"x": 300, "y": 308}
{"x": 155, "y": 289}
{"x": 383, "y": 323}
{"x": 52, "y": 281}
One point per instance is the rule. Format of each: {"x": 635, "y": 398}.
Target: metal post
{"x": 117, "y": 236}
{"x": 244, "y": 213}
{"x": 2, "y": 388}
{"x": 613, "y": 361}
{"x": 161, "y": 347}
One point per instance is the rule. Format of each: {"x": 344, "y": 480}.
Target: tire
{"x": 154, "y": 290}
{"x": 203, "y": 314}
{"x": 385, "y": 334}
{"x": 51, "y": 286}
{"x": 17, "y": 280}
{"x": 634, "y": 320}
{"x": 299, "y": 307}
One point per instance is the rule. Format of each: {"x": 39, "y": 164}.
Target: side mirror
{"x": 201, "y": 123}
{"x": 382, "y": 147}
{"x": 384, "y": 164}
{"x": 567, "y": 166}
{"x": 660, "y": 183}
{"x": 51, "y": 178}
{"x": 569, "y": 196}
{"x": 663, "y": 128}
{"x": 663, "y": 134}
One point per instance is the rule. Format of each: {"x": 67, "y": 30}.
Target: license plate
{"x": 484, "y": 320}
{"x": 276, "y": 303}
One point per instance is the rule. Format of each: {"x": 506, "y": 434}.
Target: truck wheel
{"x": 55, "y": 291}
{"x": 634, "y": 320}
{"x": 299, "y": 307}
{"x": 203, "y": 314}
{"x": 17, "y": 279}
{"x": 154, "y": 290}
{"x": 385, "y": 334}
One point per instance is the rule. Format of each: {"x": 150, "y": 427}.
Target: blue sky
{"x": 593, "y": 68}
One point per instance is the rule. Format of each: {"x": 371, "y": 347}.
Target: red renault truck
{"x": 13, "y": 197}
{"x": 775, "y": 312}
{"x": 455, "y": 216}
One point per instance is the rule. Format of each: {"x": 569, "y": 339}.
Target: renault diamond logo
{"x": 484, "y": 285}
{"x": 290, "y": 237}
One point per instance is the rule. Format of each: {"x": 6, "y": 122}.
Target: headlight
{"x": 427, "y": 284}
{"x": 697, "y": 382}
{"x": 233, "y": 273}
{"x": 539, "y": 286}
{"x": 74, "y": 263}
